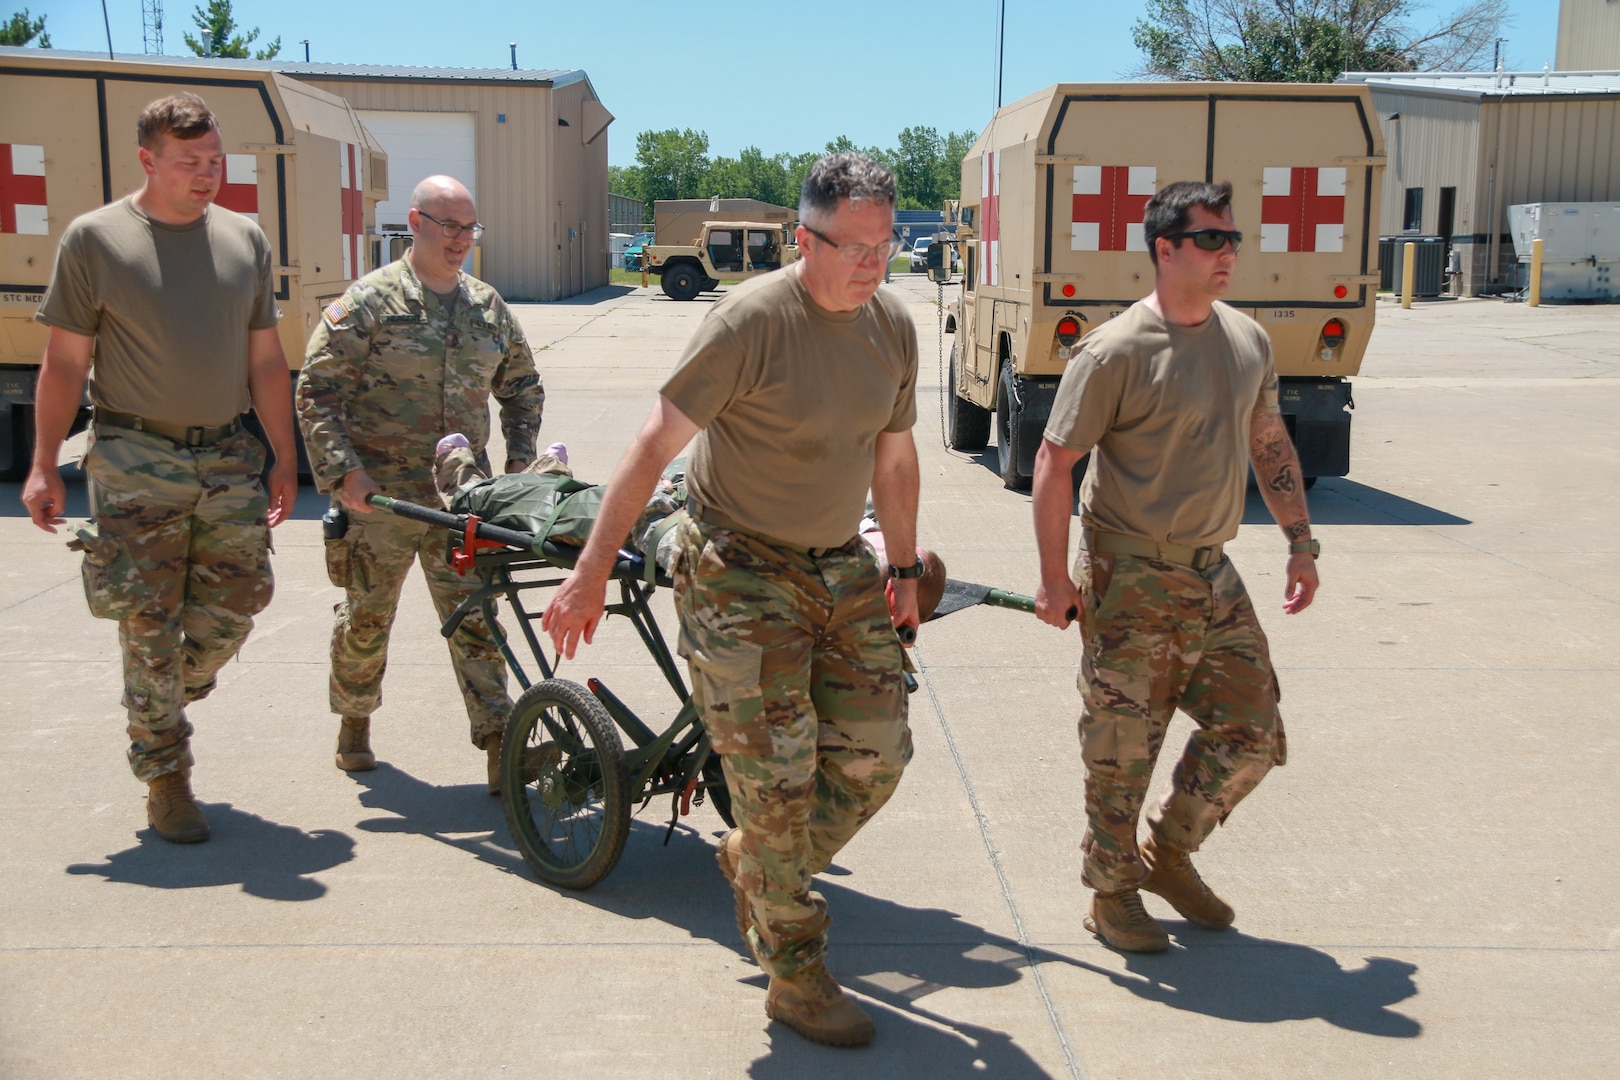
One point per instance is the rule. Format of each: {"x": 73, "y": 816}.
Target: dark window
{"x": 1412, "y": 220}
{"x": 970, "y": 279}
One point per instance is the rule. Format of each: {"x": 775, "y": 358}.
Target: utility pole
{"x": 152, "y": 27}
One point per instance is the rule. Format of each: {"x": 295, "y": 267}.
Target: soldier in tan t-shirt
{"x": 1174, "y": 400}
{"x": 171, "y": 297}
{"x": 799, "y": 387}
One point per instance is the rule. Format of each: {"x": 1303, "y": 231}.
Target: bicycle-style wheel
{"x": 565, "y": 785}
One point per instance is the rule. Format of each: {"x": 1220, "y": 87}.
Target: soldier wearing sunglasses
{"x": 1175, "y": 399}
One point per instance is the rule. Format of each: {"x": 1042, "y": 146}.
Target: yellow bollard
{"x": 1535, "y": 273}
{"x": 1408, "y": 258}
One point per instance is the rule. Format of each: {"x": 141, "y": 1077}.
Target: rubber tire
{"x": 719, "y": 796}
{"x": 567, "y": 844}
{"x": 1006, "y": 444}
{"x": 967, "y": 426}
{"x": 710, "y": 284}
{"x": 682, "y": 282}
{"x": 22, "y": 442}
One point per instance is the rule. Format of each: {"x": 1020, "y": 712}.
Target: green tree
{"x": 217, "y": 24}
{"x": 955, "y": 148}
{"x": 22, "y": 29}
{"x": 1308, "y": 40}
{"x": 917, "y": 167}
{"x": 672, "y": 165}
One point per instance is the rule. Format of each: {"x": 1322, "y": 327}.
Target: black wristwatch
{"x": 915, "y": 570}
{"x": 1313, "y": 548}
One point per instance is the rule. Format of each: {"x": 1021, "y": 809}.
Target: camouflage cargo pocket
{"x": 338, "y": 558}
{"x": 112, "y": 587}
{"x": 725, "y": 686}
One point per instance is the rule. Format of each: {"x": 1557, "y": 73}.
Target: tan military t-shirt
{"x": 791, "y": 398}
{"x": 1167, "y": 409}
{"x": 170, "y": 307}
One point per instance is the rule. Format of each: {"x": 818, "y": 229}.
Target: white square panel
{"x": 1330, "y": 181}
{"x": 1142, "y": 180}
{"x": 27, "y": 160}
{"x": 241, "y": 169}
{"x": 33, "y": 221}
{"x": 1330, "y": 238}
{"x": 1135, "y": 237}
{"x": 1084, "y": 236}
{"x": 1275, "y": 180}
{"x": 1088, "y": 179}
{"x": 1273, "y": 237}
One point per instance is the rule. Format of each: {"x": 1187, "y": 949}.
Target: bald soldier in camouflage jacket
{"x": 408, "y": 352}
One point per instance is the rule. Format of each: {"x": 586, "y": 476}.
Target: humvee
{"x": 730, "y": 249}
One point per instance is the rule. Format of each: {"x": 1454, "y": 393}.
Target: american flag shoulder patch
{"x": 336, "y": 311}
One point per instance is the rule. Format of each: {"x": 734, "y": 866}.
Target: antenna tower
{"x": 152, "y": 26}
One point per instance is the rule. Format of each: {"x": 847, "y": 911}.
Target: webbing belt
{"x": 1113, "y": 543}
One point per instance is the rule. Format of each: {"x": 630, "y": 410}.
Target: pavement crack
{"x": 1022, "y": 932}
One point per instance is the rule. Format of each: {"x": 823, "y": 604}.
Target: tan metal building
{"x": 531, "y": 145}
{"x": 1463, "y": 148}
{"x": 1588, "y": 35}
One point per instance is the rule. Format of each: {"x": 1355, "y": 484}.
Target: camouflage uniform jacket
{"x": 388, "y": 372}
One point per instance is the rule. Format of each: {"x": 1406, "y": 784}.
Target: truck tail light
{"x": 1068, "y": 331}
{"x": 1333, "y": 333}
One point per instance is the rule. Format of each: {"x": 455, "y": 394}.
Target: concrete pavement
{"x": 1427, "y": 889}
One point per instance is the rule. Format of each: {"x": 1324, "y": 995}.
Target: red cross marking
{"x": 240, "y": 189}
{"x": 353, "y": 214}
{"x": 1112, "y": 209}
{"x": 1302, "y": 209}
{"x": 16, "y": 189}
{"x": 991, "y": 211}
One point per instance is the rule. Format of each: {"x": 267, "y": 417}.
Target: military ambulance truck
{"x": 298, "y": 161}
{"x": 1053, "y": 194}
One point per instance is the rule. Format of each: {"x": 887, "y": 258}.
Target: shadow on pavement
{"x": 592, "y": 296}
{"x": 1232, "y": 976}
{"x": 271, "y": 861}
{"x": 1338, "y": 500}
{"x": 893, "y": 955}
{"x": 464, "y": 816}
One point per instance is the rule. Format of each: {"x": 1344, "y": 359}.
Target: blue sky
{"x": 783, "y": 77}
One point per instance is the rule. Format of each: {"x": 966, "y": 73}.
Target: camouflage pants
{"x": 179, "y": 557}
{"x": 1158, "y": 637}
{"x": 796, "y": 671}
{"x": 370, "y": 565}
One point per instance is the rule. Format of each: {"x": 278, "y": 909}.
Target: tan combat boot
{"x": 172, "y": 810}
{"x": 492, "y": 748}
{"x": 1172, "y": 875}
{"x": 815, "y": 1006}
{"x": 1121, "y": 921}
{"x": 727, "y": 856}
{"x": 354, "y": 745}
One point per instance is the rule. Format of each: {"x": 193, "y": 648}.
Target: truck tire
{"x": 710, "y": 284}
{"x": 967, "y": 426}
{"x": 682, "y": 282}
{"x": 1007, "y": 434}
{"x": 16, "y": 441}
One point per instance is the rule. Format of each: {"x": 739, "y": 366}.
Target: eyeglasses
{"x": 855, "y": 254}
{"x": 450, "y": 229}
{"x": 1210, "y": 239}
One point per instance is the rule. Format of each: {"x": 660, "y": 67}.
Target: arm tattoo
{"x": 1283, "y": 481}
{"x": 1299, "y": 530}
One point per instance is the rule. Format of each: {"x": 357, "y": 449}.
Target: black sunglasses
{"x": 1210, "y": 239}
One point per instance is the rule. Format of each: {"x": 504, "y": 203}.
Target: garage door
{"x": 419, "y": 145}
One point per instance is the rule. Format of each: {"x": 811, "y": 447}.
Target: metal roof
{"x": 384, "y": 72}
{"x": 1491, "y": 84}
